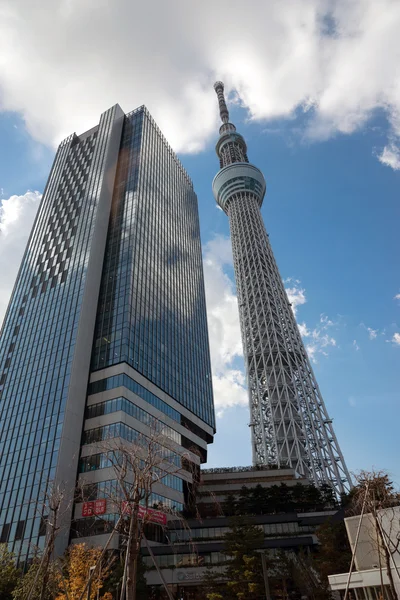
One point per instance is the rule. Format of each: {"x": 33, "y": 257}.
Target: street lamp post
{"x": 89, "y": 590}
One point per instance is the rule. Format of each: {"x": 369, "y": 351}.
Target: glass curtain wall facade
{"x": 110, "y": 289}
{"x": 41, "y": 338}
{"x": 152, "y": 311}
{"x": 150, "y": 356}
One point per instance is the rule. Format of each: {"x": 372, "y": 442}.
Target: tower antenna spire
{"x": 223, "y": 109}
{"x": 290, "y": 424}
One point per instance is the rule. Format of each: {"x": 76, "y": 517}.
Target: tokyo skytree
{"x": 289, "y": 421}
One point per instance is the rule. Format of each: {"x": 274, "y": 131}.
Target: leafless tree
{"x": 51, "y": 506}
{"x": 380, "y": 498}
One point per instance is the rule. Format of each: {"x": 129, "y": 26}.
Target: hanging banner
{"x": 149, "y": 514}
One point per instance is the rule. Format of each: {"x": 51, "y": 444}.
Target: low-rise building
{"x": 370, "y": 569}
{"x": 197, "y": 542}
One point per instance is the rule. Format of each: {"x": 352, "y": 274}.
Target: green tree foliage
{"x": 116, "y": 570}
{"x": 306, "y": 573}
{"x": 113, "y": 582}
{"x": 142, "y": 590}
{"x": 334, "y": 553}
{"x": 9, "y": 573}
{"x": 279, "y": 499}
{"x": 32, "y": 582}
{"x": 242, "y": 577}
{"x": 300, "y": 577}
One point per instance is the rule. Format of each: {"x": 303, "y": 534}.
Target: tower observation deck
{"x": 289, "y": 421}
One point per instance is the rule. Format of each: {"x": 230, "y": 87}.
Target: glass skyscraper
{"x": 106, "y": 327}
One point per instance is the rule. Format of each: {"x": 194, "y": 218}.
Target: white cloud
{"x": 390, "y": 156}
{"x": 397, "y": 297}
{"x": 304, "y": 331}
{"x": 337, "y": 61}
{"x": 17, "y": 214}
{"x": 372, "y": 333}
{"x": 396, "y": 339}
{"x": 223, "y": 324}
{"x": 229, "y": 390}
{"x": 312, "y": 351}
{"x": 356, "y": 346}
{"x": 295, "y": 294}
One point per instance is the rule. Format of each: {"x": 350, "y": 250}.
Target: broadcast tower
{"x": 289, "y": 421}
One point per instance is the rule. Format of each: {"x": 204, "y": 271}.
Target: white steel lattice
{"x": 289, "y": 421}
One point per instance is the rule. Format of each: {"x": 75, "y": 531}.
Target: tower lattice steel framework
{"x": 289, "y": 421}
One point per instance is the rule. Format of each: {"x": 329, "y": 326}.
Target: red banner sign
{"x": 100, "y": 506}
{"x": 87, "y": 509}
{"x": 148, "y": 514}
{"x": 97, "y": 507}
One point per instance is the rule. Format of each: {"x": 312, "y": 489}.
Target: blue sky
{"x": 319, "y": 108}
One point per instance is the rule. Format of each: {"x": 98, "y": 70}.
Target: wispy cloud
{"x": 372, "y": 333}
{"x": 356, "y": 346}
{"x": 319, "y": 339}
{"x": 390, "y": 156}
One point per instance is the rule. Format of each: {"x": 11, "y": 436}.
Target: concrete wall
{"x": 367, "y": 556}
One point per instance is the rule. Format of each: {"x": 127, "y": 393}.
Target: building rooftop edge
{"x": 246, "y": 469}
{"x": 145, "y": 110}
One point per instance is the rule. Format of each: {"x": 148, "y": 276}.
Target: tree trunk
{"x": 133, "y": 550}
{"x": 46, "y": 562}
{"x": 392, "y": 590}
